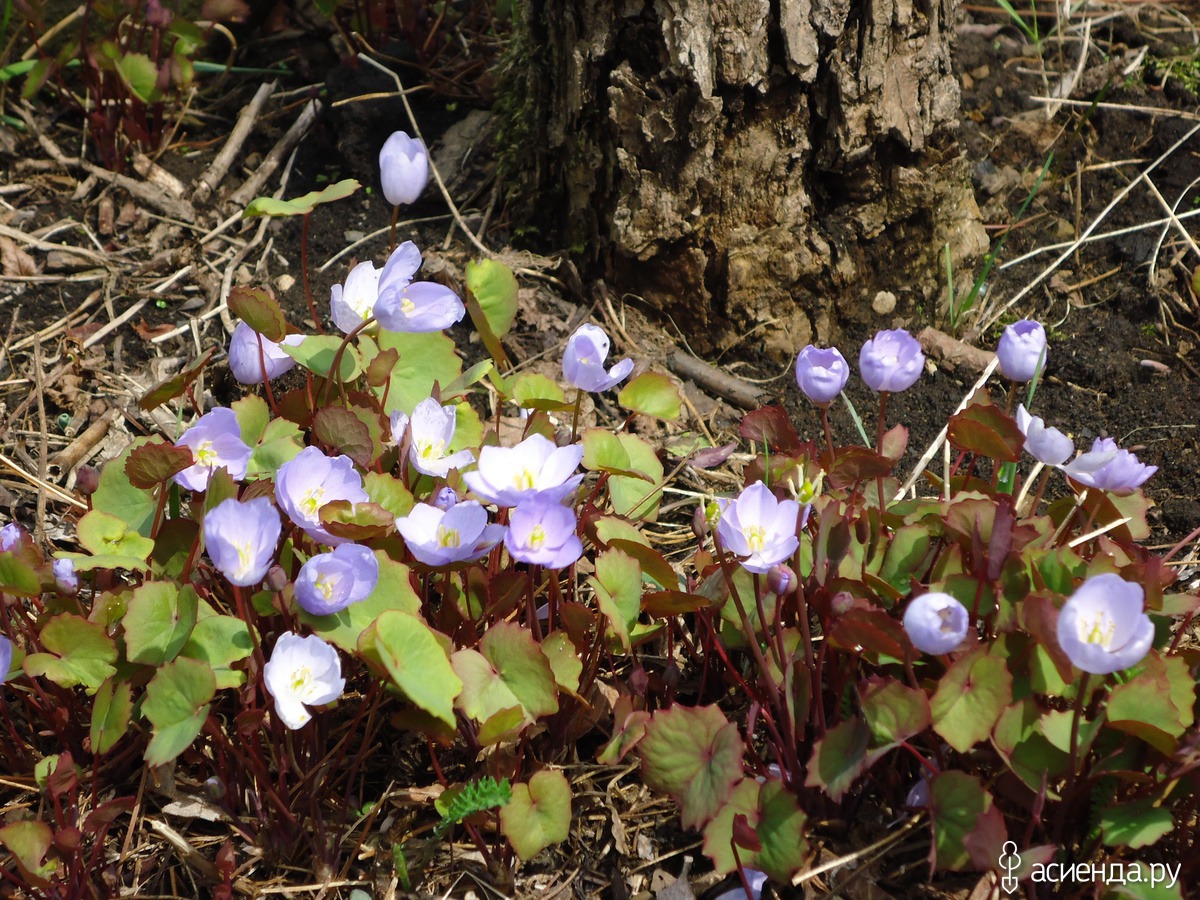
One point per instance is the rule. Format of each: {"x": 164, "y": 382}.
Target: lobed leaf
{"x": 695, "y": 755}
{"x": 176, "y": 705}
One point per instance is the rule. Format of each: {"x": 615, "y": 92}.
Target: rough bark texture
{"x": 743, "y": 163}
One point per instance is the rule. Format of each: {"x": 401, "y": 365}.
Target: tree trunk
{"x": 751, "y": 166}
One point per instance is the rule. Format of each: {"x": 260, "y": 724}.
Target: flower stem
{"x": 312, "y": 305}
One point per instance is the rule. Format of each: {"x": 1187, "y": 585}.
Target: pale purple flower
{"x": 507, "y": 475}
{"x": 1046, "y": 445}
{"x": 353, "y": 303}
{"x": 821, "y": 373}
{"x": 759, "y": 528}
{"x": 329, "y": 582}
{"x": 216, "y": 443}
{"x": 936, "y": 623}
{"x": 891, "y": 361}
{"x": 1022, "y": 350}
{"x": 302, "y": 672}
{"x": 10, "y": 537}
{"x": 440, "y": 537}
{"x": 65, "y": 576}
{"x": 445, "y": 498}
{"x": 419, "y": 307}
{"x": 583, "y": 361}
{"x": 240, "y": 538}
{"x": 1107, "y": 467}
{"x": 541, "y": 532}
{"x": 1102, "y": 628}
{"x": 432, "y": 431}
{"x": 245, "y": 362}
{"x": 309, "y": 481}
{"x": 754, "y": 880}
{"x": 403, "y": 168}
{"x": 6, "y": 652}
{"x": 782, "y": 580}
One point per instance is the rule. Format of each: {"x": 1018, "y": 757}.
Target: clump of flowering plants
{"x": 263, "y": 600}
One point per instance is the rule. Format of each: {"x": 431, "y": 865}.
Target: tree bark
{"x": 749, "y": 167}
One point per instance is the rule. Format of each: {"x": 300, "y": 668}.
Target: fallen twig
{"x": 212, "y": 177}
{"x": 721, "y": 383}
{"x": 274, "y": 159}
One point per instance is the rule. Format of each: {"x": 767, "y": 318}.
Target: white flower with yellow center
{"x": 432, "y": 427}
{"x": 759, "y": 528}
{"x": 1103, "y": 627}
{"x": 442, "y": 537}
{"x": 508, "y": 475}
{"x": 240, "y": 538}
{"x": 302, "y": 672}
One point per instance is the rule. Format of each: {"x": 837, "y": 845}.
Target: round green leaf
{"x": 176, "y": 705}
{"x": 538, "y": 814}
{"x": 695, "y": 755}
{"x": 652, "y": 394}
{"x": 416, "y": 661}
{"x": 158, "y": 621}
{"x": 80, "y": 653}
{"x": 495, "y": 287}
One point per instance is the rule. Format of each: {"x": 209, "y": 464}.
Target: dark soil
{"x": 1124, "y": 354}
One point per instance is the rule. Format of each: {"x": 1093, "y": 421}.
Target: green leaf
{"x": 111, "y": 708}
{"x": 103, "y": 534}
{"x": 389, "y": 493}
{"x": 116, "y": 495}
{"x": 564, "y": 660}
{"x": 534, "y": 391}
{"x": 495, "y": 287}
{"x": 618, "y": 587}
{"x": 970, "y": 698}
{"x": 632, "y": 497}
{"x": 300, "y": 206}
{"x": 259, "y": 309}
{"x": 695, "y": 755}
{"x": 778, "y": 822}
{"x": 424, "y": 360}
{"x": 894, "y": 712}
{"x": 317, "y": 351}
{"x": 80, "y": 653}
{"x": 840, "y": 757}
{"x": 538, "y": 815}
{"x": 140, "y": 75}
{"x": 16, "y": 577}
{"x": 393, "y": 591}
{"x": 905, "y": 554}
{"x": 1156, "y": 705}
{"x": 652, "y": 394}
{"x": 281, "y": 442}
{"x": 957, "y": 802}
{"x": 1135, "y": 825}
{"x": 462, "y": 800}
{"x": 220, "y": 641}
{"x": 29, "y": 841}
{"x": 507, "y": 670}
{"x": 416, "y": 661}
{"x": 176, "y": 704}
{"x": 158, "y": 621}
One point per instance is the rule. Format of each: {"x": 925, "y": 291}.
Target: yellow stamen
{"x": 448, "y": 537}
{"x": 301, "y": 678}
{"x": 311, "y": 501}
{"x": 205, "y": 455}
{"x": 430, "y": 449}
{"x": 1099, "y": 630}
{"x": 537, "y": 537}
{"x": 407, "y": 305}
{"x": 524, "y": 480}
{"x": 756, "y": 538}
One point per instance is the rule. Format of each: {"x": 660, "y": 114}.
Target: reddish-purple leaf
{"x": 340, "y": 429}
{"x": 170, "y": 388}
{"x": 154, "y": 463}
{"x": 258, "y": 309}
{"x": 771, "y": 425}
{"x": 984, "y": 429}
{"x": 854, "y": 464}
